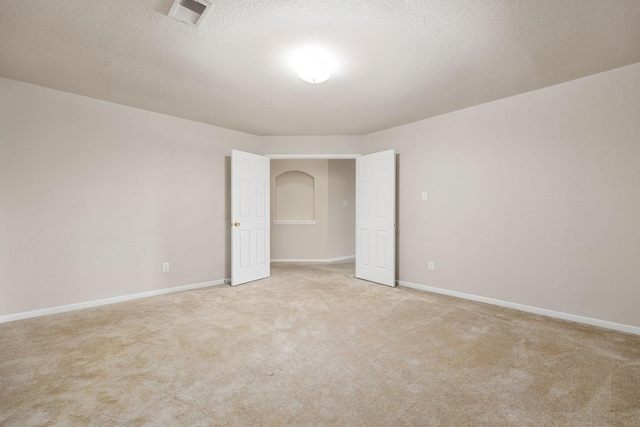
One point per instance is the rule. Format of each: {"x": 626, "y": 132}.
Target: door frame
{"x": 313, "y": 156}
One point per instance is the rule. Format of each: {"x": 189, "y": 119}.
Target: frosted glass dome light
{"x": 313, "y": 70}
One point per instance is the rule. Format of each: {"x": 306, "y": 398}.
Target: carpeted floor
{"x": 313, "y": 346}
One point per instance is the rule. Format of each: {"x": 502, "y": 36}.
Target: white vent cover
{"x": 192, "y": 12}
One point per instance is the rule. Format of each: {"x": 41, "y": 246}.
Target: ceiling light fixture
{"x": 313, "y": 70}
{"x": 312, "y": 63}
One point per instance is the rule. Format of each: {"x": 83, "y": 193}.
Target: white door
{"x": 250, "y": 235}
{"x": 375, "y": 217}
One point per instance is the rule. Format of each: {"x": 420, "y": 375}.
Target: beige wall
{"x": 342, "y": 219}
{"x": 533, "y": 199}
{"x": 94, "y": 196}
{"x": 331, "y": 144}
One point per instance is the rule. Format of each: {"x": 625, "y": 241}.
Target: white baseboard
{"x": 536, "y": 310}
{"x": 342, "y": 258}
{"x": 113, "y": 300}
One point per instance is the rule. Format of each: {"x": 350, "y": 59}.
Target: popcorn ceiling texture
{"x": 398, "y": 61}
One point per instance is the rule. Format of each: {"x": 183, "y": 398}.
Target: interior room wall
{"x": 302, "y": 241}
{"x": 342, "y": 219}
{"x": 308, "y": 144}
{"x": 533, "y": 199}
{"x": 95, "y": 196}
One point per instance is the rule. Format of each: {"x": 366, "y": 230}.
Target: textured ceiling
{"x": 396, "y": 61}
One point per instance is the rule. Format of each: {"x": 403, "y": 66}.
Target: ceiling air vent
{"x": 192, "y": 12}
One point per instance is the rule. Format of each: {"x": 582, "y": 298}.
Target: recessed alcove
{"x": 295, "y": 198}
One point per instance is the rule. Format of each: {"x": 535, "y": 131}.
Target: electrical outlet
{"x": 431, "y": 266}
{"x": 345, "y": 203}
{"x": 424, "y": 195}
{"x": 165, "y": 267}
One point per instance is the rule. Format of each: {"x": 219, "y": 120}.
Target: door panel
{"x": 250, "y": 236}
{"x": 375, "y": 217}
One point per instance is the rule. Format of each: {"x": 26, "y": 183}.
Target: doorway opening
{"x": 375, "y": 206}
{"x": 313, "y": 215}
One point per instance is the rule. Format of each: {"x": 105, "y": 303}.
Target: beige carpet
{"x": 314, "y": 346}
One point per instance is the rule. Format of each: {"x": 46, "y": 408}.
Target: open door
{"x": 375, "y": 217}
{"x": 250, "y": 234}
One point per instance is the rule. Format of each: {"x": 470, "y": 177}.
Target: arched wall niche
{"x": 295, "y": 198}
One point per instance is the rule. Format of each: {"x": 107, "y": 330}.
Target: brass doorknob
{"x": 236, "y": 224}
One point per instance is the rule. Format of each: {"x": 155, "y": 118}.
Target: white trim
{"x": 294, "y": 222}
{"x": 530, "y": 309}
{"x": 342, "y": 258}
{"x": 312, "y": 156}
{"x": 113, "y": 300}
